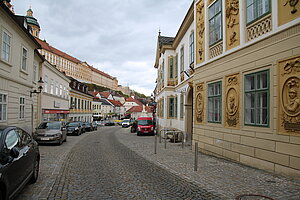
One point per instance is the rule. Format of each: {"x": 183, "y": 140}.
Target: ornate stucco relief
{"x": 289, "y": 96}
{"x": 199, "y": 103}
{"x": 292, "y": 3}
{"x": 232, "y": 101}
{"x": 259, "y": 28}
{"x": 288, "y": 10}
{"x": 232, "y": 24}
{"x": 200, "y": 32}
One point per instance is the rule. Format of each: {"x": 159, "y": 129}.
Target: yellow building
{"x": 244, "y": 94}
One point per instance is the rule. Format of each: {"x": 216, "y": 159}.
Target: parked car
{"x": 94, "y": 126}
{"x": 19, "y": 161}
{"x": 126, "y": 123}
{"x": 100, "y": 123}
{"x": 51, "y": 132}
{"x": 145, "y": 126}
{"x": 88, "y": 126}
{"x": 75, "y": 128}
{"x": 109, "y": 124}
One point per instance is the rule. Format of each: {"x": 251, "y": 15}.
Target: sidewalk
{"x": 222, "y": 177}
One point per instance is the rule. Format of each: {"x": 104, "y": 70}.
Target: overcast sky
{"x": 118, "y": 37}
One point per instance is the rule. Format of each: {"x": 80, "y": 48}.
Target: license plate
{"x": 45, "y": 138}
{"x": 145, "y": 131}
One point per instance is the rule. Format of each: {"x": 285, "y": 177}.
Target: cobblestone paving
{"x": 217, "y": 176}
{"x": 97, "y": 166}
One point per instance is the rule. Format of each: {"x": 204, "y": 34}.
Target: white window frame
{"x": 4, "y": 44}
{"x": 253, "y": 6}
{"x": 46, "y": 83}
{"x": 212, "y": 20}
{"x": 3, "y": 115}
{"x": 51, "y": 86}
{"x": 22, "y": 107}
{"x": 192, "y": 48}
{"x": 24, "y": 59}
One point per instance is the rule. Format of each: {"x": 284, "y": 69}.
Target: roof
{"x": 130, "y": 99}
{"x": 101, "y": 72}
{"x": 93, "y": 93}
{"x": 53, "y": 50}
{"x": 32, "y": 20}
{"x": 115, "y": 103}
{"x": 163, "y": 40}
{"x": 139, "y": 109}
{"x": 105, "y": 102}
{"x": 105, "y": 94}
{"x": 19, "y": 21}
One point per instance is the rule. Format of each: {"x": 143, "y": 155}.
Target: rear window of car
{"x": 50, "y": 125}
{"x": 73, "y": 124}
{"x": 145, "y": 122}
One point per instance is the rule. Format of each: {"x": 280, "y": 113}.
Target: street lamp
{"x": 40, "y": 87}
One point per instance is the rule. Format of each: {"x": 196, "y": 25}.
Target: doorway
{"x": 189, "y": 115}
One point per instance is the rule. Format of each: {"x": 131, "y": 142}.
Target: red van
{"x": 145, "y": 126}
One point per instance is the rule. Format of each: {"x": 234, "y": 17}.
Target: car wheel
{"x": 35, "y": 174}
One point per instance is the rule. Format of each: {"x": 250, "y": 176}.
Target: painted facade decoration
{"x": 289, "y": 96}
{"x": 200, "y": 32}
{"x": 199, "y": 104}
{"x": 232, "y": 24}
{"x": 232, "y": 101}
{"x": 288, "y": 10}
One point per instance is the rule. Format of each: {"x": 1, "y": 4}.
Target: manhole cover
{"x": 252, "y": 197}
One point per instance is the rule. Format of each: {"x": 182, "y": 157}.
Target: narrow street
{"x": 96, "y": 166}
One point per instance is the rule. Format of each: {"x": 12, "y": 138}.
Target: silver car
{"x": 51, "y": 132}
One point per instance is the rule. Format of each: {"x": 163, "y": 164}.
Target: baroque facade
{"x": 245, "y": 87}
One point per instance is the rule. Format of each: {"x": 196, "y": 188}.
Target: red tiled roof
{"x": 100, "y": 72}
{"x": 105, "y": 94}
{"x": 139, "y": 109}
{"x": 53, "y": 50}
{"x": 130, "y": 99}
{"x": 93, "y": 93}
{"x": 115, "y": 103}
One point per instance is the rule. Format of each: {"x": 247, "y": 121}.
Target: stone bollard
{"x": 196, "y": 157}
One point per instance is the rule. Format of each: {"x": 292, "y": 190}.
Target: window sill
{"x": 6, "y": 63}
{"x": 24, "y": 72}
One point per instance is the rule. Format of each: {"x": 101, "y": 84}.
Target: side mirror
{"x": 14, "y": 152}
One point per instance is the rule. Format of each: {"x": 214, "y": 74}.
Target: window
{"x": 6, "y": 45}
{"x": 34, "y": 72}
{"x": 24, "y": 59}
{"x": 65, "y": 95}
{"x": 256, "y": 9}
{"x": 71, "y": 102}
{"x": 257, "y": 99}
{"x": 176, "y": 66}
{"x": 192, "y": 51}
{"x": 215, "y": 22}
{"x": 3, "y": 107}
{"x": 51, "y": 86}
{"x": 171, "y": 68}
{"x": 46, "y": 83}
{"x": 181, "y": 106}
{"x": 22, "y": 108}
{"x": 214, "y": 102}
{"x": 56, "y": 88}
{"x": 172, "y": 107}
{"x": 181, "y": 59}
{"x": 12, "y": 139}
{"x": 60, "y": 90}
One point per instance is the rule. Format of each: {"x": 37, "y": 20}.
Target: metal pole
{"x": 160, "y": 136}
{"x": 165, "y": 140}
{"x": 182, "y": 140}
{"x": 155, "y": 143}
{"x": 174, "y": 136}
{"x": 196, "y": 157}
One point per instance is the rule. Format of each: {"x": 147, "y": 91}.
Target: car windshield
{"x": 73, "y": 124}
{"x": 145, "y": 122}
{"x": 50, "y": 125}
{"x": 126, "y": 120}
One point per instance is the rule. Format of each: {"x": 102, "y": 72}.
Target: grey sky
{"x": 116, "y": 36}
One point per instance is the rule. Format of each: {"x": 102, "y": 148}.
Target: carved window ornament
{"x": 199, "y": 103}
{"x": 200, "y": 28}
{"x": 292, "y": 3}
{"x": 232, "y": 101}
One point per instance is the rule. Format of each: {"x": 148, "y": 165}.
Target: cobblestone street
{"x": 100, "y": 167}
